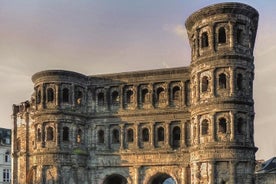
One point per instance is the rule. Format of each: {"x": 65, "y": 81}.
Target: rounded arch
{"x": 115, "y": 178}
{"x": 161, "y": 178}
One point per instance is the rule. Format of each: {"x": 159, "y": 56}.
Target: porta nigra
{"x": 189, "y": 125}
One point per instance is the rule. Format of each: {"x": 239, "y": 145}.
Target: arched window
{"x": 38, "y": 136}
{"x": 145, "y": 95}
{"x": 160, "y": 94}
{"x": 50, "y": 134}
{"x": 176, "y": 93}
{"x": 129, "y": 96}
{"x": 204, "y": 84}
{"x": 115, "y": 98}
{"x": 222, "y": 35}
{"x": 101, "y": 136}
{"x": 204, "y": 40}
{"x": 241, "y": 126}
{"x": 222, "y": 125}
{"x": 176, "y": 137}
{"x": 65, "y": 134}
{"x": 130, "y": 135}
{"x": 115, "y": 136}
{"x": 239, "y": 81}
{"x": 38, "y": 98}
{"x": 101, "y": 99}
{"x": 160, "y": 134}
{"x": 145, "y": 135}
{"x": 79, "y": 97}
{"x": 204, "y": 127}
{"x": 50, "y": 95}
{"x": 222, "y": 81}
{"x": 79, "y": 136}
{"x": 65, "y": 95}
{"x": 240, "y": 36}
{"x": 7, "y": 156}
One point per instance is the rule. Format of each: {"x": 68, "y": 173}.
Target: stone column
{"x": 232, "y": 81}
{"x": 43, "y": 95}
{"x": 136, "y": 175}
{"x": 182, "y": 139}
{"x": 232, "y": 126}
{"x": 198, "y": 83}
{"x": 213, "y": 127}
{"x": 122, "y": 136}
{"x": 136, "y": 136}
{"x": 107, "y": 136}
{"x": 167, "y": 134}
{"x": 212, "y": 172}
{"x": 198, "y": 129}
{"x": 57, "y": 94}
{"x": 152, "y": 145}
{"x": 231, "y": 35}
{"x": 232, "y": 178}
{"x": 213, "y": 84}
{"x": 73, "y": 95}
{"x": 121, "y": 93}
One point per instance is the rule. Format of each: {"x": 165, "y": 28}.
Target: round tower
{"x": 59, "y": 126}
{"x": 222, "y": 40}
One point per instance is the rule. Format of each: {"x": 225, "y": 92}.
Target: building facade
{"x": 5, "y": 156}
{"x": 190, "y": 124}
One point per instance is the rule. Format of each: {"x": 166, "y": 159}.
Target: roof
{"x": 268, "y": 166}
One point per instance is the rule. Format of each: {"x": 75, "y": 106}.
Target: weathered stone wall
{"x": 192, "y": 124}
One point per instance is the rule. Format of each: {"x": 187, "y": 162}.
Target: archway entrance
{"x": 115, "y": 179}
{"x": 162, "y": 178}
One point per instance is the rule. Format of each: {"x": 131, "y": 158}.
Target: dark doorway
{"x": 115, "y": 179}
{"x": 162, "y": 178}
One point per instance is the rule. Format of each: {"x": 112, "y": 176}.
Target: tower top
{"x": 223, "y": 8}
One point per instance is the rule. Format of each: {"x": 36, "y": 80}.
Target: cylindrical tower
{"x": 59, "y": 128}
{"x": 222, "y": 40}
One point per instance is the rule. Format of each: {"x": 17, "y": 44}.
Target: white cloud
{"x": 178, "y": 30}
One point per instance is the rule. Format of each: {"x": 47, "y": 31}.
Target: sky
{"x": 108, "y": 36}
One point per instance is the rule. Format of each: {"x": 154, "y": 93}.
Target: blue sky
{"x": 108, "y": 36}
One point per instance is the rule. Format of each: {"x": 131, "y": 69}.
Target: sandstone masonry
{"x": 191, "y": 124}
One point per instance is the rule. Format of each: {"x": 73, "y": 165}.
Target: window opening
{"x": 50, "y": 95}
{"x": 100, "y": 136}
{"x": 38, "y": 99}
{"x": 222, "y": 125}
{"x": 50, "y": 134}
{"x": 129, "y": 96}
{"x": 239, "y": 36}
{"x": 115, "y": 136}
{"x": 115, "y": 98}
{"x": 145, "y": 96}
{"x": 176, "y": 93}
{"x": 65, "y": 134}
{"x": 176, "y": 137}
{"x": 204, "y": 84}
{"x": 222, "y": 35}
{"x": 145, "y": 135}
{"x": 79, "y": 136}
{"x": 101, "y": 99}
{"x": 222, "y": 81}
{"x": 38, "y": 138}
{"x": 204, "y": 40}
{"x": 205, "y": 127}
{"x": 241, "y": 126}
{"x": 65, "y": 95}
{"x": 130, "y": 135}
{"x": 239, "y": 81}
{"x": 160, "y": 134}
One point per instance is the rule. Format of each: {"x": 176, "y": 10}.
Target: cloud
{"x": 178, "y": 30}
